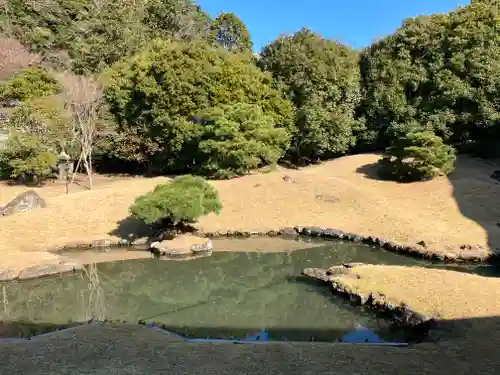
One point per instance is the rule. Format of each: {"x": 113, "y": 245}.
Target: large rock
{"x": 184, "y": 247}
{"x": 23, "y": 202}
{"x": 42, "y": 270}
{"x": 316, "y": 273}
{"x": 7, "y": 274}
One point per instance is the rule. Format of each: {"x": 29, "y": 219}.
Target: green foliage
{"x": 230, "y": 32}
{"x": 236, "y": 139}
{"x": 156, "y": 96}
{"x": 45, "y": 119}
{"x": 321, "y": 77}
{"x": 442, "y": 71}
{"x": 31, "y": 83}
{"x": 183, "y": 200}
{"x": 176, "y": 19}
{"x": 417, "y": 156}
{"x": 95, "y": 34}
{"x": 25, "y": 157}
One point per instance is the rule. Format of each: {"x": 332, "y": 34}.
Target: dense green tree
{"x": 181, "y": 201}
{"x": 45, "y": 120}
{"x": 31, "y": 83}
{"x": 176, "y": 19}
{"x": 321, "y": 77}
{"x": 238, "y": 138}
{"x": 157, "y": 94}
{"x": 230, "y": 32}
{"x": 95, "y": 34}
{"x": 417, "y": 156}
{"x": 441, "y": 71}
{"x": 25, "y": 157}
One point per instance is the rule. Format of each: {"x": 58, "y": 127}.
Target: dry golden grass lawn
{"x": 445, "y": 212}
{"x": 438, "y": 293}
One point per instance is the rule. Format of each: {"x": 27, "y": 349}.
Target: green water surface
{"x": 230, "y": 294}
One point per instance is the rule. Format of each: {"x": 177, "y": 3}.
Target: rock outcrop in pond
{"x": 400, "y": 315}
{"x": 26, "y": 201}
{"x": 39, "y": 270}
{"x": 176, "y": 250}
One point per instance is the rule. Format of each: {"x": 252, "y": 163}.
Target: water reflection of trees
{"x": 94, "y": 306}
{"x": 5, "y": 303}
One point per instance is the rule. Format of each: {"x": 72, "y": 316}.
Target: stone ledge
{"x": 418, "y": 250}
{"x": 162, "y": 251}
{"x": 39, "y": 271}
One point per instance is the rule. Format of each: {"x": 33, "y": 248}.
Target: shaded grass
{"x": 125, "y": 349}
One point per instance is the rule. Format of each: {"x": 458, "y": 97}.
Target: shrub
{"x": 238, "y": 138}
{"x": 25, "y": 157}
{"x": 417, "y": 156}
{"x": 181, "y": 201}
{"x": 29, "y": 84}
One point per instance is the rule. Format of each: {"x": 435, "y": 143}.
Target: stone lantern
{"x": 65, "y": 167}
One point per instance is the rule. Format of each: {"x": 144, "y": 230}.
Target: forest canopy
{"x": 188, "y": 93}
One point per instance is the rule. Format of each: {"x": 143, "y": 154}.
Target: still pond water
{"x": 227, "y": 295}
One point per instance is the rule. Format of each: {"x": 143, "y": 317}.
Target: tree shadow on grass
{"x": 477, "y": 195}
{"x": 29, "y": 183}
{"x": 372, "y": 172}
{"x": 131, "y": 228}
{"x": 471, "y": 347}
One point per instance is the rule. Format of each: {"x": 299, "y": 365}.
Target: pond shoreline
{"x": 415, "y": 251}
{"x": 313, "y": 232}
{"x": 419, "y": 251}
{"x": 398, "y": 314}
{"x": 143, "y": 244}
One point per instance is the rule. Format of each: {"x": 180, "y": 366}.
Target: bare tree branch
{"x": 84, "y": 99}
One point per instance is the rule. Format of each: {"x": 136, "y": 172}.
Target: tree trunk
{"x": 76, "y": 169}
{"x": 89, "y": 171}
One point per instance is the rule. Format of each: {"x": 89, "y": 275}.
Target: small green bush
{"x": 181, "y": 201}
{"x": 31, "y": 83}
{"x": 417, "y": 156}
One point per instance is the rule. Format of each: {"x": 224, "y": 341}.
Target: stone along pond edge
{"x": 154, "y": 245}
{"x": 419, "y": 250}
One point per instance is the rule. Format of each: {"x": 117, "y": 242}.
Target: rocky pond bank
{"x": 398, "y": 313}
{"x": 170, "y": 245}
{"x": 467, "y": 253}
{"x": 56, "y": 262}
{"x": 426, "y": 300}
